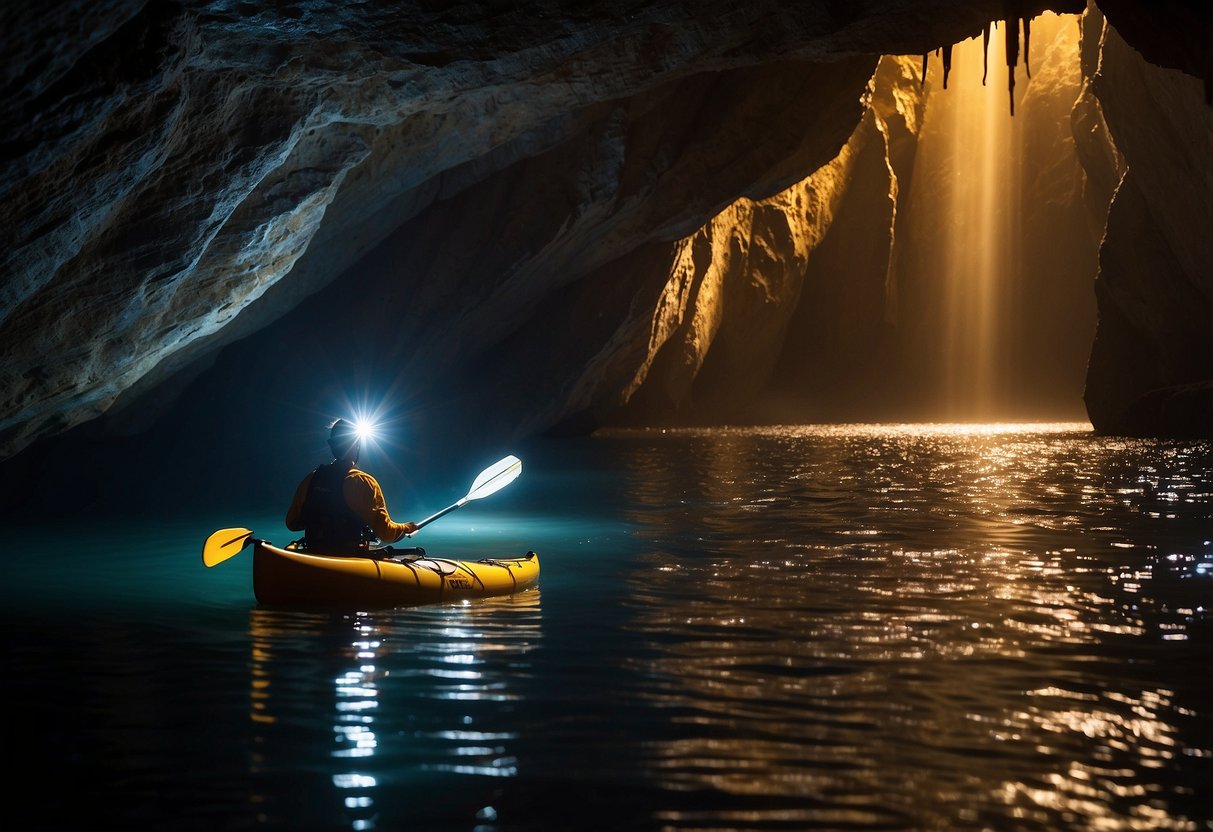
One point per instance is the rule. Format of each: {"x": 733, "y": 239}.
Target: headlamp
{"x": 364, "y": 429}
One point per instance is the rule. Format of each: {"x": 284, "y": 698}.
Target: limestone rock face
{"x": 1151, "y": 369}
{"x": 514, "y": 291}
{"x": 839, "y": 351}
{"x": 721, "y": 321}
{"x": 1151, "y": 360}
{"x": 934, "y": 298}
{"x": 167, "y": 165}
{"x": 479, "y": 202}
{"x": 1101, "y": 162}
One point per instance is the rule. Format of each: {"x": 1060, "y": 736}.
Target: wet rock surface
{"x": 1151, "y": 366}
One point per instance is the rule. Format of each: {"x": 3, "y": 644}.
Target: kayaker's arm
{"x": 294, "y": 514}
{"x": 364, "y": 496}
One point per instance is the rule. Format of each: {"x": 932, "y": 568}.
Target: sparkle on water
{"x": 859, "y": 626}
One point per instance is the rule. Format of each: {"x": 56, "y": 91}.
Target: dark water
{"x": 802, "y": 628}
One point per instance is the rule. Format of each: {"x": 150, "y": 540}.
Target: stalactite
{"x": 1011, "y": 23}
{"x": 1027, "y": 42}
{"x": 985, "y": 52}
{"x": 1012, "y": 41}
{"x": 946, "y": 52}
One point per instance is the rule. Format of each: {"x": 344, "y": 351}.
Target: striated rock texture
{"x": 722, "y": 318}
{"x": 167, "y": 165}
{"x": 893, "y": 298}
{"x": 516, "y": 215}
{"x": 1151, "y": 368}
{"x": 839, "y": 356}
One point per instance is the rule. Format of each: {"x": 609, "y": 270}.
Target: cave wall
{"x": 864, "y": 341}
{"x": 1151, "y": 367}
{"x": 868, "y": 335}
{"x": 500, "y": 215}
{"x": 513, "y": 292}
{"x": 834, "y": 354}
{"x": 178, "y": 175}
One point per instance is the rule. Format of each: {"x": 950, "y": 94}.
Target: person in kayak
{"x": 340, "y": 509}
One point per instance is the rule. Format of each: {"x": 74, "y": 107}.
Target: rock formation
{"x": 526, "y": 211}
{"x": 1151, "y": 368}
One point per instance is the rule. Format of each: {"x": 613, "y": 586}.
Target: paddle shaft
{"x": 490, "y": 481}
{"x": 434, "y": 517}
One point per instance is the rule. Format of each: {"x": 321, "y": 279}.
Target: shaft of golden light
{"x": 978, "y": 247}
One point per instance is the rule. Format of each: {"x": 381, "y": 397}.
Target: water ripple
{"x": 990, "y": 609}
{"x": 838, "y": 627}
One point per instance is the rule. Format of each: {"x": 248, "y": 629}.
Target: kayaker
{"x": 339, "y": 508}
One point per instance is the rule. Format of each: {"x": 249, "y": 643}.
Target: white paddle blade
{"x": 496, "y": 477}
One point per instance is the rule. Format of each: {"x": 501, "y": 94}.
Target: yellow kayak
{"x": 289, "y": 577}
{"x": 380, "y": 577}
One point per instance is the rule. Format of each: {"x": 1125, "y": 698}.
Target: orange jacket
{"x": 365, "y": 499}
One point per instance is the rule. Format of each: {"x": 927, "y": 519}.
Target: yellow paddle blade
{"x": 223, "y": 544}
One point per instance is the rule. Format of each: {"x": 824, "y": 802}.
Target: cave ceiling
{"x": 177, "y": 177}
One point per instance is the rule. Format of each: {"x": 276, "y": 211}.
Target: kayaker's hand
{"x": 410, "y": 529}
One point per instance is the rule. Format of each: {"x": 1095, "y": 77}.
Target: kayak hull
{"x": 287, "y": 577}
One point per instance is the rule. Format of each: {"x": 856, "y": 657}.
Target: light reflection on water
{"x": 455, "y": 657}
{"x": 987, "y": 607}
{"x": 883, "y": 627}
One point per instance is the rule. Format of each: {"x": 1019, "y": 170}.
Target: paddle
{"x": 224, "y": 544}
{"x": 491, "y": 480}
{"x": 227, "y": 543}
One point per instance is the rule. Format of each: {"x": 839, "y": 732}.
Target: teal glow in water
{"x": 860, "y": 627}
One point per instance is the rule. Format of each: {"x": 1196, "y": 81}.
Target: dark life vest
{"x": 330, "y": 525}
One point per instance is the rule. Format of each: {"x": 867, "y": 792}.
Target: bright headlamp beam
{"x": 364, "y": 429}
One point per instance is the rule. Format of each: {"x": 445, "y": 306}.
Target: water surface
{"x": 830, "y": 627}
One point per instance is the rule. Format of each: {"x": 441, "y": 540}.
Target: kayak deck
{"x": 284, "y": 576}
